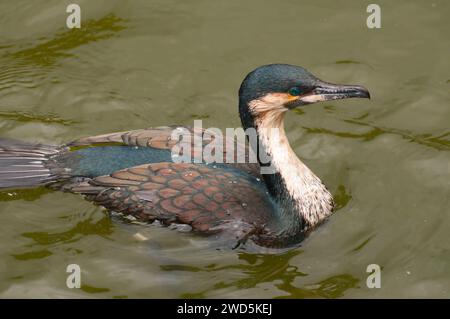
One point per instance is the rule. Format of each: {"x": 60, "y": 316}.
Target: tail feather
{"x": 25, "y": 164}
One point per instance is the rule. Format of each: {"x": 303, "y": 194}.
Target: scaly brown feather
{"x": 201, "y": 196}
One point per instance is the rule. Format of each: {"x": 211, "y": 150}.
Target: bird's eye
{"x": 294, "y": 91}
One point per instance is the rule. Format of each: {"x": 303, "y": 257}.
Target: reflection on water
{"x": 49, "y": 51}
{"x": 93, "y": 290}
{"x": 33, "y": 255}
{"x": 277, "y": 269}
{"x": 256, "y": 269}
{"x": 24, "y": 194}
{"x": 341, "y": 197}
{"x": 27, "y": 67}
{"x": 364, "y": 243}
{"x": 439, "y": 142}
{"x": 85, "y": 227}
{"x": 333, "y": 287}
{"x": 19, "y": 116}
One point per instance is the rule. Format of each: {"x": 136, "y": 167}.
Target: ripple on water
{"x": 37, "y": 64}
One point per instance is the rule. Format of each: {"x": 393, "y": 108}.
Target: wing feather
{"x": 198, "y": 195}
{"x": 161, "y": 138}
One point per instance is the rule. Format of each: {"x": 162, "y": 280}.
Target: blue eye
{"x": 294, "y": 91}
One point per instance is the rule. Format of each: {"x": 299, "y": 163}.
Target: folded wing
{"x": 201, "y": 196}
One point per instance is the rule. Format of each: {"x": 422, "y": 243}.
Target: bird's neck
{"x": 303, "y": 200}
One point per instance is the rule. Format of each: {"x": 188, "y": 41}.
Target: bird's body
{"x": 135, "y": 172}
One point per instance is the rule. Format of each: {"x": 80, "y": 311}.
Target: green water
{"x": 136, "y": 64}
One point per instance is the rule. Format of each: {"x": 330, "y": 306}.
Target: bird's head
{"x": 272, "y": 89}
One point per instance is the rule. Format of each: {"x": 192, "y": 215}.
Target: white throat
{"x": 311, "y": 198}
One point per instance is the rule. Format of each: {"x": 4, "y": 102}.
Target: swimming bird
{"x": 135, "y": 174}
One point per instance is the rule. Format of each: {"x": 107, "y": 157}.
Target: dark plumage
{"x": 133, "y": 172}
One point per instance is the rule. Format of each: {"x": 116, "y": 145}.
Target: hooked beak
{"x": 327, "y": 91}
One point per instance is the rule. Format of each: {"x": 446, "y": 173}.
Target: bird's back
{"x": 143, "y": 181}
